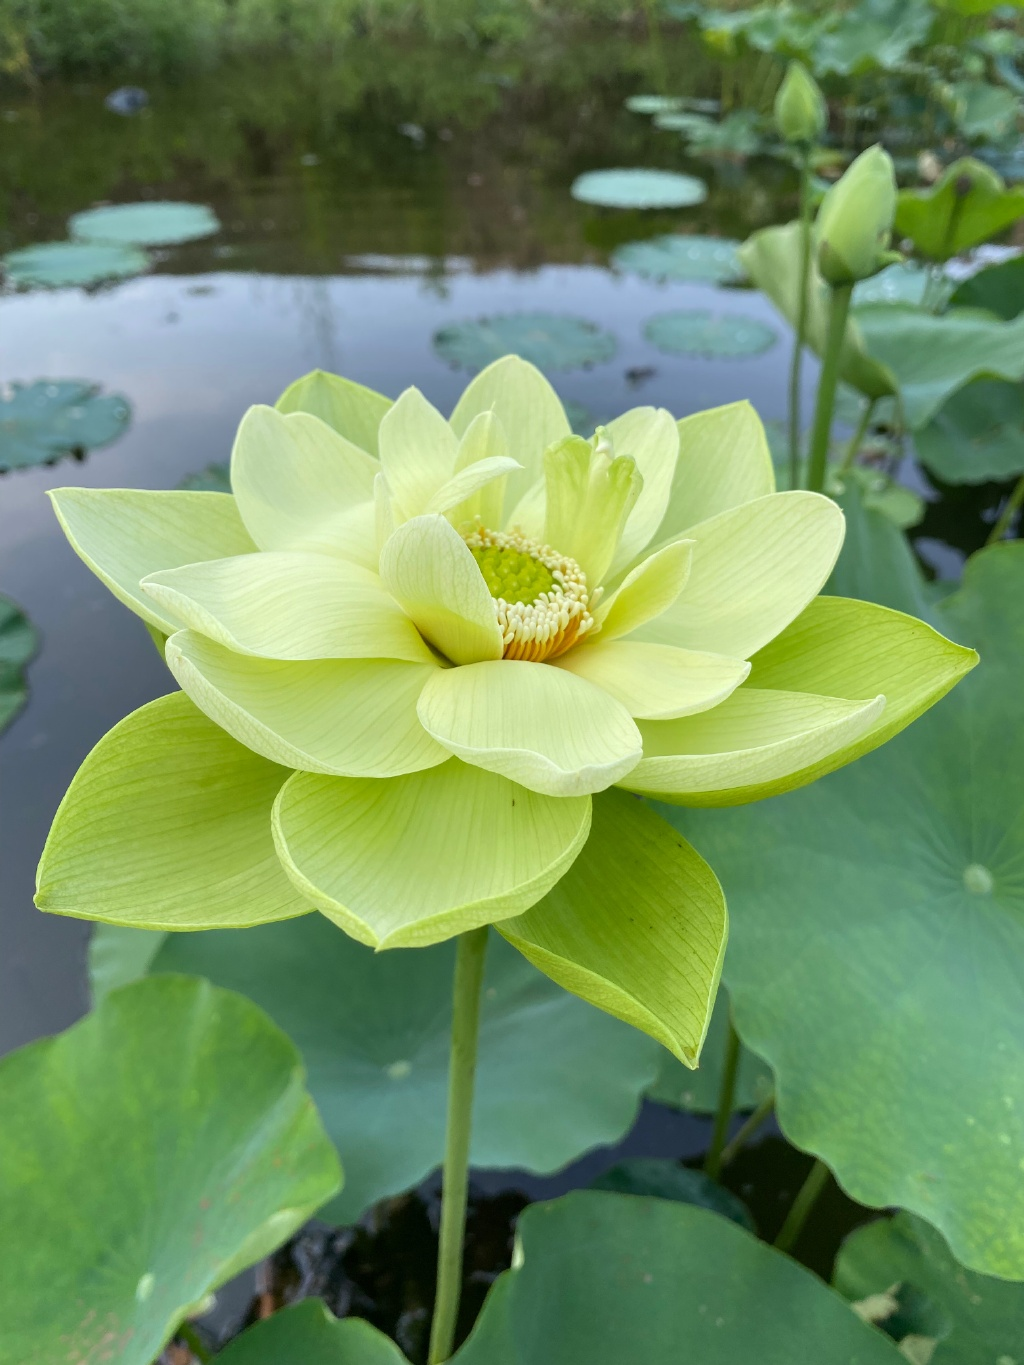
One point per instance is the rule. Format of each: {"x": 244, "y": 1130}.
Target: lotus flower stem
{"x": 839, "y": 309}
{"x": 801, "y": 321}
{"x": 469, "y": 974}
{"x": 1013, "y": 505}
{"x": 726, "y": 1095}
{"x": 806, "y": 1197}
{"x": 858, "y": 435}
{"x": 749, "y": 1127}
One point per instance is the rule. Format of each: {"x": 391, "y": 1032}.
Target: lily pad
{"x": 895, "y": 284}
{"x": 863, "y": 907}
{"x": 374, "y": 1032}
{"x": 152, "y": 1151}
{"x": 551, "y": 341}
{"x": 153, "y": 224}
{"x": 697, "y": 1091}
{"x": 608, "y": 1278}
{"x": 215, "y": 478}
{"x": 660, "y": 1178}
{"x": 977, "y": 1319}
{"x": 308, "y": 1333}
{"x": 59, "y": 265}
{"x": 42, "y": 421}
{"x": 999, "y": 289}
{"x": 653, "y": 104}
{"x": 698, "y": 331}
{"x": 18, "y": 643}
{"x": 978, "y": 435}
{"x": 638, "y": 188}
{"x": 710, "y": 260}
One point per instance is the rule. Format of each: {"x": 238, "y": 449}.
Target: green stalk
{"x": 801, "y": 320}
{"x": 806, "y": 1197}
{"x": 748, "y": 1129}
{"x": 858, "y": 435}
{"x": 839, "y": 308}
{"x": 726, "y": 1095}
{"x": 1006, "y": 516}
{"x": 188, "y": 1334}
{"x": 471, "y": 950}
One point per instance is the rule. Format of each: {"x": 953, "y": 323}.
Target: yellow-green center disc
{"x": 511, "y": 573}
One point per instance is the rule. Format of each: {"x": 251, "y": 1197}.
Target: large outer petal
{"x": 657, "y": 682}
{"x": 167, "y": 826}
{"x": 537, "y": 725}
{"x": 417, "y": 859}
{"x": 301, "y": 486}
{"x": 755, "y": 568}
{"x": 651, "y": 437}
{"x": 351, "y": 409}
{"x": 290, "y": 606}
{"x": 526, "y": 406}
{"x": 351, "y": 717}
{"x": 756, "y": 738}
{"x": 428, "y": 568}
{"x": 123, "y": 534}
{"x": 418, "y": 450}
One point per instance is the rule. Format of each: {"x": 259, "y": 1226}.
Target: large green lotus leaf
{"x": 147, "y": 1155}
{"x": 59, "y": 265}
{"x": 373, "y": 1029}
{"x": 551, "y": 341}
{"x": 166, "y": 825}
{"x": 42, "y": 421}
{"x": 942, "y": 220}
{"x": 698, "y": 331}
{"x": 639, "y": 188}
{"x": 663, "y": 1178}
{"x": 18, "y": 643}
{"x": 608, "y": 1278}
{"x": 929, "y": 358}
{"x": 353, "y": 410}
{"x": 878, "y": 942}
{"x": 148, "y": 224}
{"x": 999, "y": 289}
{"x": 977, "y": 435}
{"x": 983, "y": 110}
{"x": 637, "y": 926}
{"x": 698, "y": 1091}
{"x": 771, "y": 258}
{"x": 308, "y": 1333}
{"x": 710, "y": 260}
{"x": 979, "y": 1320}
{"x": 872, "y": 34}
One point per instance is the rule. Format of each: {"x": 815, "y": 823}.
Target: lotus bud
{"x": 801, "y": 114}
{"x": 855, "y": 220}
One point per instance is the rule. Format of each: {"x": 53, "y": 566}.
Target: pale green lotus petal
{"x": 538, "y": 725}
{"x": 588, "y": 497}
{"x": 656, "y": 682}
{"x": 651, "y": 437}
{"x": 529, "y": 512}
{"x": 467, "y": 482}
{"x": 166, "y": 825}
{"x": 483, "y": 439}
{"x": 353, "y": 410}
{"x": 417, "y": 859}
{"x": 756, "y": 737}
{"x": 428, "y": 568}
{"x": 583, "y": 934}
{"x": 123, "y": 534}
{"x": 724, "y": 461}
{"x": 354, "y": 717}
{"x": 384, "y": 514}
{"x": 646, "y": 591}
{"x": 289, "y": 606}
{"x": 301, "y": 486}
{"x": 755, "y": 568}
{"x": 528, "y": 409}
{"x": 417, "y": 452}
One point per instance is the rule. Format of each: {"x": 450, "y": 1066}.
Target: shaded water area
{"x": 362, "y": 210}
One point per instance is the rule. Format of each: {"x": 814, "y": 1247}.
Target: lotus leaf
{"x": 711, "y": 260}
{"x": 698, "y": 1091}
{"x": 18, "y": 643}
{"x": 653, "y": 104}
{"x": 977, "y": 435}
{"x": 58, "y": 265}
{"x": 698, "y": 331}
{"x": 42, "y": 421}
{"x": 308, "y": 1333}
{"x": 639, "y": 188}
{"x": 873, "y": 34}
{"x": 982, "y": 110}
{"x": 551, "y": 341}
{"x": 895, "y": 284}
{"x": 968, "y": 205}
{"x": 664, "y": 1179}
{"x": 999, "y": 289}
{"x": 215, "y": 478}
{"x": 148, "y": 224}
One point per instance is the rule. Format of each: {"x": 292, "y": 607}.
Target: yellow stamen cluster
{"x": 540, "y": 597}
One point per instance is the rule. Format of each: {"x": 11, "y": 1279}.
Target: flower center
{"x": 540, "y": 596}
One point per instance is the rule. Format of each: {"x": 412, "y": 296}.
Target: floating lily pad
{"x": 661, "y": 1178}
{"x": 308, "y": 1333}
{"x": 972, "y": 1319}
{"x": 156, "y": 224}
{"x": 636, "y": 188}
{"x": 373, "y": 1029}
{"x": 42, "y": 421}
{"x": 610, "y": 1278}
{"x": 58, "y": 265}
{"x": 978, "y": 435}
{"x": 148, "y": 1154}
{"x": 653, "y": 104}
{"x": 18, "y": 643}
{"x": 697, "y": 1091}
{"x": 215, "y": 478}
{"x": 551, "y": 341}
{"x": 897, "y": 284}
{"x": 862, "y": 907}
{"x": 698, "y": 331}
{"x": 711, "y": 260}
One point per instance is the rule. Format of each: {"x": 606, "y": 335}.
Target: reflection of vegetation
{"x": 18, "y": 643}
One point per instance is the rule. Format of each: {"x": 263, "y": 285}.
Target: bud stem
{"x": 839, "y": 308}
{"x": 801, "y": 319}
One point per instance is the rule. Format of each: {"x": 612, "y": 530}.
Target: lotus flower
{"x": 458, "y": 635}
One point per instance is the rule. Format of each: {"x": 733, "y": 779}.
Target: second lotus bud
{"x": 801, "y": 114}
{"x": 855, "y": 220}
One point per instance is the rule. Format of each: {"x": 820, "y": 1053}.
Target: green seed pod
{"x": 801, "y": 114}
{"x": 855, "y": 220}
